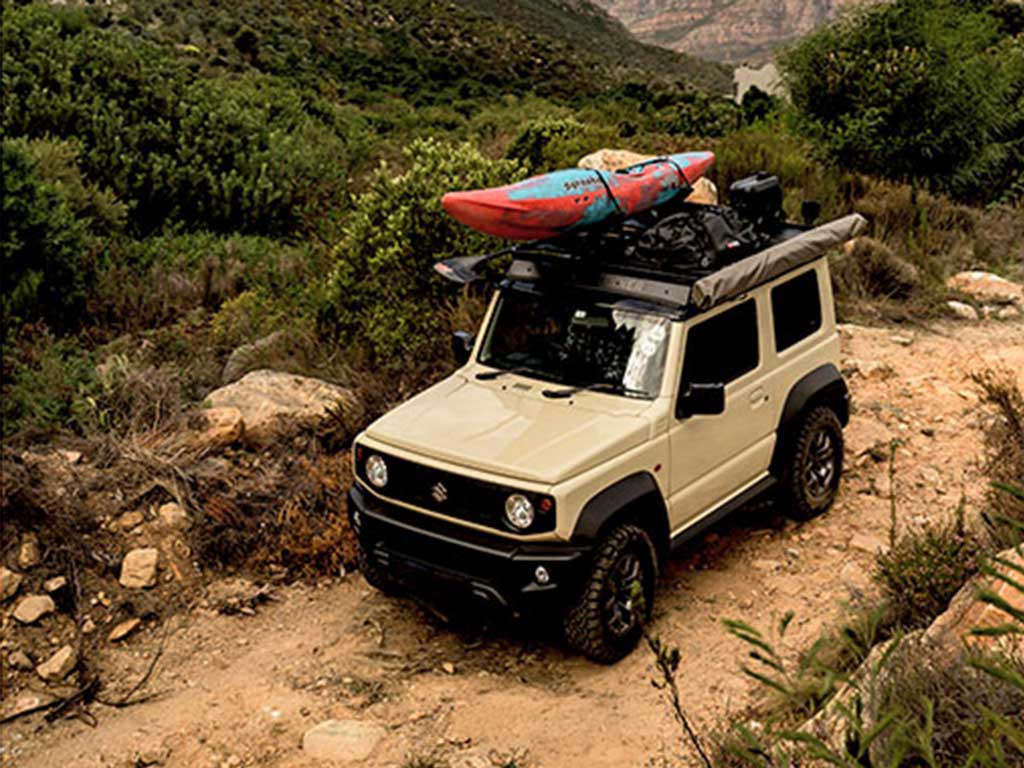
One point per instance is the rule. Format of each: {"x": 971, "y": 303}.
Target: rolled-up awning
{"x": 744, "y": 274}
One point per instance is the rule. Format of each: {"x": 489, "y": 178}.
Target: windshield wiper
{"x": 488, "y": 375}
{"x": 597, "y": 386}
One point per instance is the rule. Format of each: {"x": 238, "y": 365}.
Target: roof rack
{"x": 596, "y": 258}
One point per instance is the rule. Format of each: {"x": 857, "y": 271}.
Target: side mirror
{"x": 810, "y": 210}
{"x": 702, "y": 399}
{"x": 462, "y": 346}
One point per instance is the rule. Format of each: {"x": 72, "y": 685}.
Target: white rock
{"x": 122, "y": 630}
{"x": 32, "y": 608}
{"x": 1008, "y": 313}
{"x": 29, "y": 555}
{"x": 987, "y": 287}
{"x": 961, "y": 310}
{"x": 342, "y": 740}
{"x": 868, "y": 543}
{"x": 56, "y": 584}
{"x": 10, "y": 582}
{"x": 58, "y": 666}
{"x": 130, "y": 520}
{"x": 173, "y": 516}
{"x": 20, "y": 660}
{"x": 138, "y": 569}
{"x": 71, "y": 457}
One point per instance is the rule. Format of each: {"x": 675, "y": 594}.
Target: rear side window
{"x": 796, "y": 309}
{"x": 723, "y": 348}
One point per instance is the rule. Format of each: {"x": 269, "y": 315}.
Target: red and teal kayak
{"x": 554, "y": 203}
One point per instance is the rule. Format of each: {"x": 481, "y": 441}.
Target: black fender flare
{"x": 825, "y": 385}
{"x": 625, "y": 497}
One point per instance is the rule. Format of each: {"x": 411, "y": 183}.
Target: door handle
{"x": 758, "y": 397}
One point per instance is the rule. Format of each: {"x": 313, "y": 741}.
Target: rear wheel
{"x": 814, "y": 464}
{"x": 607, "y": 618}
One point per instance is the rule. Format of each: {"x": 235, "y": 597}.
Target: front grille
{"x": 454, "y": 495}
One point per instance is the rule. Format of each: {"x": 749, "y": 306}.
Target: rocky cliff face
{"x": 724, "y": 30}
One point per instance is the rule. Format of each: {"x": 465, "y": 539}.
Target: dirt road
{"x": 242, "y": 690}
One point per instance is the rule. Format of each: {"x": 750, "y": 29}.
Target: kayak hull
{"x": 552, "y": 204}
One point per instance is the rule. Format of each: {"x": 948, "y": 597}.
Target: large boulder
{"x": 704, "y": 190}
{"x": 276, "y": 405}
{"x": 986, "y": 287}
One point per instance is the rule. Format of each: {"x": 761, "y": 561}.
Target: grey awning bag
{"x": 754, "y": 270}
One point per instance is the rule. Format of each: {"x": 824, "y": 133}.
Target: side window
{"x": 796, "y": 309}
{"x": 723, "y": 348}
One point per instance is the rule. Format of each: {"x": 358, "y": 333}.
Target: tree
{"x": 921, "y": 90}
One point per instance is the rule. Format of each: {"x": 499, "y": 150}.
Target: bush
{"x": 915, "y": 89}
{"x": 925, "y": 568}
{"x": 247, "y": 153}
{"x": 47, "y": 251}
{"x": 1004, "y": 463}
{"x": 383, "y": 289}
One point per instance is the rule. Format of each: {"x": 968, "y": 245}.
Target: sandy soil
{"x": 242, "y": 690}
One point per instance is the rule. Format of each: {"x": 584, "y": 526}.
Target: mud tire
{"x": 590, "y": 627}
{"x": 814, "y": 465}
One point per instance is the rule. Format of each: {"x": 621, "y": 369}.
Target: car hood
{"x": 507, "y": 427}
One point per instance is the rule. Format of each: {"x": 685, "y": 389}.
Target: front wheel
{"x": 606, "y": 620}
{"x": 814, "y": 464}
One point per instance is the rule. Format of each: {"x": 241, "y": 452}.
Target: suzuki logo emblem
{"x": 440, "y": 493}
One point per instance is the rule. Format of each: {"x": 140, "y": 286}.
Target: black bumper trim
{"x": 449, "y": 562}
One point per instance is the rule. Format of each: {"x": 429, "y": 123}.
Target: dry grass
{"x": 1004, "y": 461}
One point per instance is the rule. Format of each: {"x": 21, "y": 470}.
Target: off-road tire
{"x": 588, "y": 629}
{"x": 375, "y": 576}
{"x": 814, "y": 464}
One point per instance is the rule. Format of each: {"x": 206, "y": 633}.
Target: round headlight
{"x": 377, "y": 470}
{"x": 519, "y": 511}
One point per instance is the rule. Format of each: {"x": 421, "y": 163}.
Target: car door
{"x": 714, "y": 457}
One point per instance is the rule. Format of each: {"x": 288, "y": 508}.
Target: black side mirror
{"x": 462, "y": 346}
{"x": 702, "y": 399}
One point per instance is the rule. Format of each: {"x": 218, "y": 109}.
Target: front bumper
{"x": 456, "y": 565}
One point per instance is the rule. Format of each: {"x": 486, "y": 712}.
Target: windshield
{"x": 578, "y": 341}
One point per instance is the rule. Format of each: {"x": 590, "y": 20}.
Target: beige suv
{"x": 603, "y": 416}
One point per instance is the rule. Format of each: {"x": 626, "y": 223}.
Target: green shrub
{"x": 383, "y": 289}
{"x": 925, "y": 568}
{"x": 915, "y": 89}
{"x": 47, "y": 251}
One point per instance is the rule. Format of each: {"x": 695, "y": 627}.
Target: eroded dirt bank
{"x": 242, "y": 690}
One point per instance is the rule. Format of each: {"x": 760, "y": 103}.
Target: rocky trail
{"x": 242, "y": 689}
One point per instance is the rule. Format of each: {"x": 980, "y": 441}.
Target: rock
{"x": 612, "y": 159}
{"x": 248, "y": 356}
{"x": 130, "y": 520}
{"x": 951, "y": 631}
{"x": 29, "y": 554}
{"x": 138, "y": 569}
{"x": 704, "y": 190}
{"x": 10, "y": 583}
{"x": 903, "y": 341}
{"x": 476, "y": 757}
{"x": 32, "y": 608}
{"x": 221, "y": 427}
{"x": 122, "y": 630}
{"x": 236, "y": 595}
{"x": 58, "y": 666}
{"x": 961, "y": 310}
{"x": 766, "y": 565}
{"x": 448, "y": 667}
{"x": 173, "y": 516}
{"x": 865, "y": 542}
{"x": 152, "y": 757}
{"x": 56, "y": 584}
{"x": 869, "y": 369}
{"x": 342, "y": 740}
{"x": 986, "y": 287}
{"x": 1008, "y": 313}
{"x": 854, "y": 578}
{"x": 20, "y": 660}
{"x": 28, "y": 701}
{"x": 71, "y": 457}
{"x": 277, "y": 405}
{"x": 88, "y": 627}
